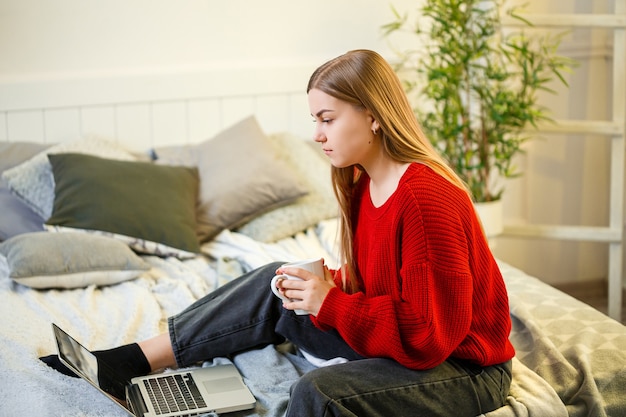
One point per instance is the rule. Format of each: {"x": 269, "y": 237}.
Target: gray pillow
{"x": 69, "y": 260}
{"x": 14, "y": 153}
{"x": 313, "y": 169}
{"x": 241, "y": 176}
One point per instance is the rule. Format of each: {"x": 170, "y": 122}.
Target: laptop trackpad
{"x": 216, "y": 386}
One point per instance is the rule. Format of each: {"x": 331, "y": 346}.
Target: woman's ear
{"x": 375, "y": 126}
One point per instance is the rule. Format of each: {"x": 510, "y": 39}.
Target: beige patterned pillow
{"x": 319, "y": 204}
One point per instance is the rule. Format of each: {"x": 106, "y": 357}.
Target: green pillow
{"x": 145, "y": 202}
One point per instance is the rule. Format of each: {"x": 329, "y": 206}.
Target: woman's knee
{"x": 317, "y": 381}
{"x": 315, "y": 394}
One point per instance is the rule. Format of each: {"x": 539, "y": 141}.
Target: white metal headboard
{"x": 144, "y": 110}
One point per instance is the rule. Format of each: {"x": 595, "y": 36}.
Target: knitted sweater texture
{"x": 430, "y": 288}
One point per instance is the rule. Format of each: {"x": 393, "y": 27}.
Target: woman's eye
{"x": 326, "y": 120}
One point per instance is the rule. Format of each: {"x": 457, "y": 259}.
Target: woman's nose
{"x": 318, "y": 136}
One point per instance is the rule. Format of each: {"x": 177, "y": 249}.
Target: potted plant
{"x": 477, "y": 86}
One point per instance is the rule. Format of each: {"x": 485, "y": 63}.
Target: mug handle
{"x": 275, "y": 289}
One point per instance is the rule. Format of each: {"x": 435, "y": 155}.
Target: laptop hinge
{"x": 135, "y": 400}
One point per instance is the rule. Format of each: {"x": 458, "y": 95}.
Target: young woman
{"x": 419, "y": 310}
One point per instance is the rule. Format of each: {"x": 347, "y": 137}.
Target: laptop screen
{"x": 85, "y": 363}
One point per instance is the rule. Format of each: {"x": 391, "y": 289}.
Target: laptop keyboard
{"x": 171, "y": 393}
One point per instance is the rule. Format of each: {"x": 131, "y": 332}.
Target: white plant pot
{"x": 491, "y": 215}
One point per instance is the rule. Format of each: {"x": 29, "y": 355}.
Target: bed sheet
{"x": 135, "y": 310}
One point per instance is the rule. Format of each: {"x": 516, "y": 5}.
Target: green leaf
{"x": 479, "y": 84}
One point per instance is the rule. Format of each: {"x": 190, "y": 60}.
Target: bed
{"x": 135, "y": 234}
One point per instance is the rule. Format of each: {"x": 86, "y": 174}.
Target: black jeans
{"x": 244, "y": 314}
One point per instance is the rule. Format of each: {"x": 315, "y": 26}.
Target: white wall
{"x": 68, "y": 37}
{"x": 133, "y": 44}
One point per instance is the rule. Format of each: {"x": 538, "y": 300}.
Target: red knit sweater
{"x": 430, "y": 287}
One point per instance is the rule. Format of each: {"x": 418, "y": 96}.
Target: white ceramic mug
{"x": 315, "y": 266}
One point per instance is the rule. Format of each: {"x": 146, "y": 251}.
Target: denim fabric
{"x": 382, "y": 387}
{"x": 244, "y": 314}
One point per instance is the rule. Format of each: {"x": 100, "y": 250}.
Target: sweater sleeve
{"x": 420, "y": 330}
{"x": 425, "y": 314}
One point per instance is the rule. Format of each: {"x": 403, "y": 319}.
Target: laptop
{"x": 218, "y": 389}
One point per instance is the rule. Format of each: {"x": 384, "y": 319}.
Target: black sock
{"x": 54, "y": 362}
{"x": 124, "y": 363}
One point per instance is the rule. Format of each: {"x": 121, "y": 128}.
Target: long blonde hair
{"x": 364, "y": 79}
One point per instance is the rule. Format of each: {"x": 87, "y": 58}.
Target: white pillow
{"x": 33, "y": 181}
{"x": 69, "y": 260}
